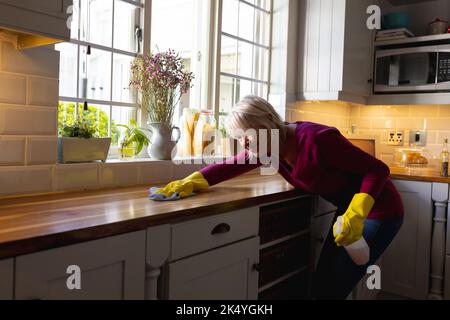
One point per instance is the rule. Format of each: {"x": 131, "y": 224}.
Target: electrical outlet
{"x": 396, "y": 138}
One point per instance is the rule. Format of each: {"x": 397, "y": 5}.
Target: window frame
{"x": 210, "y": 95}
{"x": 219, "y": 33}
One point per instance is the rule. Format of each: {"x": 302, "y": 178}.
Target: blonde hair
{"x": 253, "y": 112}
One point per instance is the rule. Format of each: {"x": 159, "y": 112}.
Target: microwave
{"x": 413, "y": 70}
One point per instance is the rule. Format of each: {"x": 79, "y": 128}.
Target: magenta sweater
{"x": 328, "y": 165}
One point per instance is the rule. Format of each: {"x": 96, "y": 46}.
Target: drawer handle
{"x": 221, "y": 229}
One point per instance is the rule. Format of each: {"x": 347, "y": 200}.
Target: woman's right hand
{"x": 185, "y": 187}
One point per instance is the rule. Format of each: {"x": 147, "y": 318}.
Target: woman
{"x": 319, "y": 160}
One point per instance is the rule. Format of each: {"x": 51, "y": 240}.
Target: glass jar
{"x": 204, "y": 135}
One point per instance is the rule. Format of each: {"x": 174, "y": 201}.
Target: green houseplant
{"x": 132, "y": 141}
{"x": 79, "y": 142}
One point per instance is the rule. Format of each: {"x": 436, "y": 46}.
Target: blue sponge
{"x": 160, "y": 197}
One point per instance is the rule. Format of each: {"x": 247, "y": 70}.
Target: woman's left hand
{"x": 353, "y": 220}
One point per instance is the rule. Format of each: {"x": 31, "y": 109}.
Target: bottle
{"x": 444, "y": 159}
{"x": 204, "y": 134}
{"x": 358, "y": 251}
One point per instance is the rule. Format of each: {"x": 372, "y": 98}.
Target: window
{"x": 95, "y": 65}
{"x": 245, "y": 51}
{"x": 107, "y": 34}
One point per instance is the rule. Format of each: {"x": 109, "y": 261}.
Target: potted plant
{"x": 132, "y": 140}
{"x": 78, "y": 142}
{"x": 161, "y": 81}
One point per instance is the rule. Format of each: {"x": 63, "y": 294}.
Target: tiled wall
{"x": 378, "y": 120}
{"x": 28, "y": 134}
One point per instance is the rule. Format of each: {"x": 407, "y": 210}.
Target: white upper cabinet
{"x": 335, "y": 50}
{"x": 45, "y": 20}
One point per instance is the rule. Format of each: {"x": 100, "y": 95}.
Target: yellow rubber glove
{"x": 185, "y": 188}
{"x": 353, "y": 220}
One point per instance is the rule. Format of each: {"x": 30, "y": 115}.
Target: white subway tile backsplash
{"x": 13, "y": 88}
{"x": 42, "y": 61}
{"x": 155, "y": 171}
{"x": 76, "y": 177}
{"x": 12, "y": 151}
{"x": 42, "y": 150}
{"x": 120, "y": 174}
{"x": 24, "y": 180}
{"x": 43, "y": 92}
{"x": 21, "y": 120}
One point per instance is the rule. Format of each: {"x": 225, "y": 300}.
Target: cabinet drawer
{"x": 282, "y": 259}
{"x": 295, "y": 288}
{"x": 283, "y": 219}
{"x": 189, "y": 238}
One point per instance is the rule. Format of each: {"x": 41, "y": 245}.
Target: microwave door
{"x": 443, "y": 68}
{"x": 406, "y": 70}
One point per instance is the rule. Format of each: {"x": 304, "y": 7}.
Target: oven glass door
{"x": 406, "y": 70}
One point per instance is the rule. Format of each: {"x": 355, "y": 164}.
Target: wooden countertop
{"x": 37, "y": 223}
{"x": 418, "y": 174}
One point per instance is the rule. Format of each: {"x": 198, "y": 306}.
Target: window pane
{"x": 262, "y": 28}
{"x": 228, "y": 57}
{"x": 243, "y": 88}
{"x": 120, "y": 115}
{"x": 261, "y": 64}
{"x": 98, "y": 115}
{"x": 95, "y": 74}
{"x": 66, "y": 115}
{"x": 96, "y": 22}
{"x": 126, "y": 20}
{"x": 230, "y": 16}
{"x": 246, "y": 21}
{"x": 265, "y": 4}
{"x": 181, "y": 25}
{"x": 227, "y": 94}
{"x": 67, "y": 69}
{"x": 245, "y": 60}
{"x": 121, "y": 79}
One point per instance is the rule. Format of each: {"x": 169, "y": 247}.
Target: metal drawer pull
{"x": 221, "y": 229}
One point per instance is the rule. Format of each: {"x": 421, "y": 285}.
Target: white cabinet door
{"x": 6, "y": 279}
{"x": 227, "y": 273}
{"x": 50, "y": 7}
{"x": 320, "y": 228}
{"x": 358, "y": 50}
{"x": 111, "y": 268}
{"x": 406, "y": 263}
{"x": 335, "y": 50}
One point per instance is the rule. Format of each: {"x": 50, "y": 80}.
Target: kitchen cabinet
{"x": 447, "y": 278}
{"x": 406, "y": 263}
{"x": 6, "y": 279}
{"x": 335, "y": 50}
{"x": 321, "y": 228}
{"x": 285, "y": 251}
{"x": 227, "y": 273}
{"x": 45, "y": 18}
{"x": 213, "y": 258}
{"x": 111, "y": 268}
